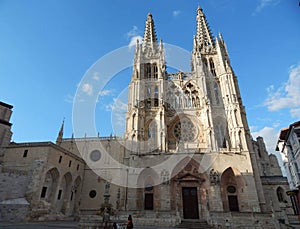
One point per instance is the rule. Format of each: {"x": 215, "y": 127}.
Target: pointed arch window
{"x": 197, "y": 101}
{"x": 212, "y": 66}
{"x": 240, "y": 141}
{"x": 147, "y": 70}
{"x": 152, "y": 134}
{"x": 236, "y": 117}
{"x": 216, "y": 90}
{"x": 280, "y": 194}
{"x": 149, "y": 92}
{"x": 205, "y": 62}
{"x": 156, "y": 96}
{"x": 155, "y": 71}
{"x": 220, "y": 135}
{"x": 149, "y": 133}
{"x": 133, "y": 121}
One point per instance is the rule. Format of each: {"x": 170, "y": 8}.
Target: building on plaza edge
{"x": 289, "y": 146}
{"x": 194, "y": 123}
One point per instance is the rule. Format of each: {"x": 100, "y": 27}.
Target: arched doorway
{"x": 189, "y": 186}
{"x": 231, "y": 183}
{"x": 148, "y": 194}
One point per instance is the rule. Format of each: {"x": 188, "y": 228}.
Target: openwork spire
{"x": 203, "y": 37}
{"x": 149, "y": 34}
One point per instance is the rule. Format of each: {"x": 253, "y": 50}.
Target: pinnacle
{"x": 149, "y": 34}
{"x": 203, "y": 36}
{"x": 199, "y": 10}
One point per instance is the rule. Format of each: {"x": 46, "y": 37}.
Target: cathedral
{"x": 186, "y": 155}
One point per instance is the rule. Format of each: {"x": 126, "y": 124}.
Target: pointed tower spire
{"x": 60, "y": 133}
{"x": 150, "y": 39}
{"x": 203, "y": 37}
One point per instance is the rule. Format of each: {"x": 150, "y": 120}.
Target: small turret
{"x": 60, "y": 133}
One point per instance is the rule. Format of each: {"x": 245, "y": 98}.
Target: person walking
{"x": 129, "y": 223}
{"x": 115, "y": 226}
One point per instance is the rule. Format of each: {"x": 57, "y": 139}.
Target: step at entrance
{"x": 193, "y": 224}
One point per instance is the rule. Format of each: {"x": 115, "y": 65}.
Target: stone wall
{"x": 15, "y": 210}
{"x": 13, "y": 206}
{"x": 15, "y": 183}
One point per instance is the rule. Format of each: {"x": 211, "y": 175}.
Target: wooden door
{"x": 148, "y": 201}
{"x": 190, "y": 203}
{"x": 233, "y": 203}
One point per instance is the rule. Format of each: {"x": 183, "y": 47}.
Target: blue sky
{"x": 46, "y": 47}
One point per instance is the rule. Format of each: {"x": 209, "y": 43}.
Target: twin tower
{"x": 201, "y": 109}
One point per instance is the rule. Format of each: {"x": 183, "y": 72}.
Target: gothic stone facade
{"x": 187, "y": 149}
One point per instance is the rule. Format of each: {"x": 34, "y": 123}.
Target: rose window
{"x": 185, "y": 131}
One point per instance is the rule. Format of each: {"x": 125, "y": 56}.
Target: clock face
{"x": 185, "y": 130}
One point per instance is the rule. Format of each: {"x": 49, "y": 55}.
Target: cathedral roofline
{"x": 44, "y": 144}
{"x": 93, "y": 138}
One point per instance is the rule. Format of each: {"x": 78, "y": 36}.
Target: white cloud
{"x": 252, "y": 128}
{"x": 295, "y": 112}
{"x": 102, "y": 94}
{"x": 133, "y": 35}
{"x": 118, "y": 110}
{"x": 265, "y": 3}
{"x": 133, "y": 32}
{"x": 270, "y": 136}
{"x": 117, "y": 105}
{"x": 87, "y": 88}
{"x": 286, "y": 96}
{"x": 105, "y": 92}
{"x": 176, "y": 13}
{"x": 133, "y": 40}
{"x": 96, "y": 76}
